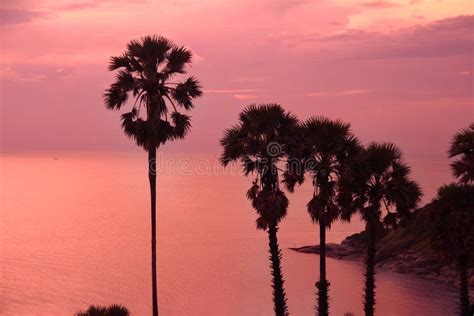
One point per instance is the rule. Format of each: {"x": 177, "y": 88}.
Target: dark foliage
{"x": 113, "y": 310}
{"x": 462, "y": 147}
{"x": 452, "y": 234}
{"x": 146, "y": 74}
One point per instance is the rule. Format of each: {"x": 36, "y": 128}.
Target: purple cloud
{"x": 15, "y": 13}
{"x": 18, "y": 16}
{"x": 447, "y": 37}
{"x": 339, "y": 93}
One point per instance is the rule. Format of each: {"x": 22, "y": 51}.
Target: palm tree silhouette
{"x": 326, "y": 149}
{"x": 462, "y": 146}
{"x": 383, "y": 182}
{"x": 452, "y": 235}
{"x": 146, "y": 71}
{"x": 453, "y": 213}
{"x": 113, "y": 310}
{"x": 258, "y": 141}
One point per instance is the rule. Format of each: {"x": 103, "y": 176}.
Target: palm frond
{"x": 185, "y": 92}
{"x": 253, "y": 191}
{"x": 463, "y": 169}
{"x": 156, "y": 48}
{"x": 115, "y": 97}
{"x": 182, "y": 124}
{"x": 177, "y": 60}
{"x": 293, "y": 174}
{"x": 379, "y": 157}
{"x": 117, "y": 62}
{"x": 135, "y": 49}
{"x": 463, "y": 142}
{"x": 233, "y": 144}
{"x": 248, "y": 165}
{"x": 462, "y": 146}
{"x": 316, "y": 208}
{"x": 125, "y": 80}
{"x": 271, "y": 206}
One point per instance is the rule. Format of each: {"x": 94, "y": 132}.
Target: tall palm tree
{"x": 147, "y": 74}
{"x": 326, "y": 150}
{"x": 452, "y": 234}
{"x": 384, "y": 185}
{"x": 462, "y": 146}
{"x": 258, "y": 141}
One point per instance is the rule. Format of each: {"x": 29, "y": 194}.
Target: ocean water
{"x": 75, "y": 231}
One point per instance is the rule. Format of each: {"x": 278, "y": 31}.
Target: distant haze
{"x": 399, "y": 71}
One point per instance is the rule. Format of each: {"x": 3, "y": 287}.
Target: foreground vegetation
{"x": 113, "y": 310}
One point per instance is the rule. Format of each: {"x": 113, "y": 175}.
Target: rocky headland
{"x": 405, "y": 249}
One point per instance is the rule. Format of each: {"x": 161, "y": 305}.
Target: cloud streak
{"x": 245, "y": 96}
{"x": 379, "y": 4}
{"x": 231, "y": 91}
{"x": 339, "y": 93}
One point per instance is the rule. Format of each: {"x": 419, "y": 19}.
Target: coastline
{"x": 402, "y": 260}
{"x": 405, "y": 249}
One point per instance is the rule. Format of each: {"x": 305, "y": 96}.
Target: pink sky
{"x": 399, "y": 71}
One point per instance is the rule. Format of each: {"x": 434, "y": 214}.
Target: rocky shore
{"x": 403, "y": 250}
{"x": 407, "y": 261}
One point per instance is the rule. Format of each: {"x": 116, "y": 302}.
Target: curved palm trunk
{"x": 369, "y": 304}
{"x": 279, "y": 296}
{"x": 152, "y": 179}
{"x": 463, "y": 288}
{"x": 323, "y": 285}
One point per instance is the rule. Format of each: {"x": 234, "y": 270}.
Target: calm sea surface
{"x": 75, "y": 231}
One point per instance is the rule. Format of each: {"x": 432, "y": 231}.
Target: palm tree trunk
{"x": 152, "y": 179}
{"x": 279, "y": 296}
{"x": 323, "y": 285}
{"x": 463, "y": 288}
{"x": 369, "y": 304}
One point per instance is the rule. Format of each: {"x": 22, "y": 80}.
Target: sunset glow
{"x": 382, "y": 62}
{"x": 236, "y": 157}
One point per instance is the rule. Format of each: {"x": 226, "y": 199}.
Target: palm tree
{"x": 462, "y": 146}
{"x": 383, "y": 184}
{"x": 452, "y": 234}
{"x": 453, "y": 213}
{"x": 326, "y": 150}
{"x": 113, "y": 310}
{"x": 258, "y": 141}
{"x": 146, "y": 71}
